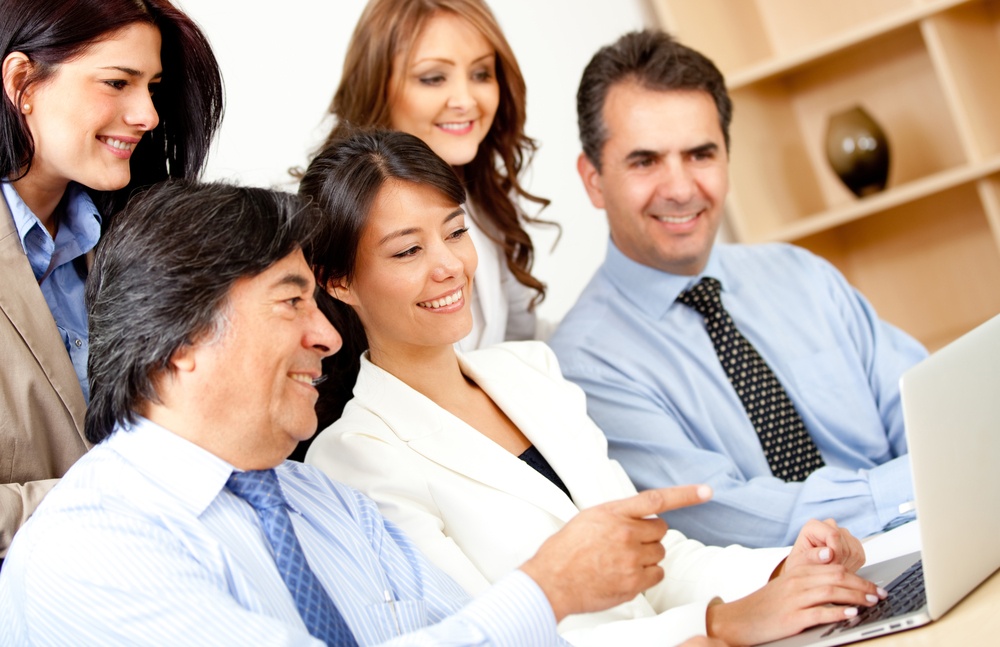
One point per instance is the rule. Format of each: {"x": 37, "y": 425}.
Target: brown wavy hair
{"x": 388, "y": 29}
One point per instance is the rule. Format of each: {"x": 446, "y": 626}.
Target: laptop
{"x": 951, "y": 407}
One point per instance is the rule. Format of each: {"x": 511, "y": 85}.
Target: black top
{"x": 534, "y": 458}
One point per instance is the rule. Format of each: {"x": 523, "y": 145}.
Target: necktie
{"x": 790, "y": 451}
{"x": 262, "y": 491}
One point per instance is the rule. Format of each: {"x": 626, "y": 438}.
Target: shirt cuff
{"x": 514, "y": 611}
{"x": 891, "y": 484}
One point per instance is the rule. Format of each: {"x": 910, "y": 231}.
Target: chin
{"x": 457, "y": 157}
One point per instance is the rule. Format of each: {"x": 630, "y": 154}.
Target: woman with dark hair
{"x": 100, "y": 98}
{"x": 443, "y": 71}
{"x": 480, "y": 456}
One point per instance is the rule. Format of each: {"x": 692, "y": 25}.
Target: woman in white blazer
{"x": 481, "y": 456}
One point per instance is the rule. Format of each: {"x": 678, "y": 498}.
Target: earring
{"x": 26, "y": 108}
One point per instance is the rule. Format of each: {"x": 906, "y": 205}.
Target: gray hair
{"x": 654, "y": 60}
{"x": 162, "y": 278}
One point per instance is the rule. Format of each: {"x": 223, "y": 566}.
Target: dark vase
{"x": 857, "y": 150}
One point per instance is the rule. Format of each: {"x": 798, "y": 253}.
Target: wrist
{"x": 552, "y": 591}
{"x": 718, "y": 622}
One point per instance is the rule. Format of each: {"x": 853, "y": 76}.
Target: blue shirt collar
{"x": 189, "y": 473}
{"x": 81, "y": 221}
{"x": 651, "y": 290}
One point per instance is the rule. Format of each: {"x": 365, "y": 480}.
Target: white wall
{"x": 281, "y": 61}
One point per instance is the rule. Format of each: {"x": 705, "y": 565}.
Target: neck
{"x": 433, "y": 372}
{"x": 223, "y": 439}
{"x": 42, "y": 198}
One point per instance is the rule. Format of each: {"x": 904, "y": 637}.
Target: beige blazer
{"x": 479, "y": 512}
{"x": 41, "y": 404}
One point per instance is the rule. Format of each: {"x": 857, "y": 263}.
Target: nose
{"x": 446, "y": 264}
{"x": 677, "y": 183}
{"x": 321, "y": 335}
{"x": 460, "y": 97}
{"x": 141, "y": 112}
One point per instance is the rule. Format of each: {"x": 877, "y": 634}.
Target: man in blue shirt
{"x": 654, "y": 122}
{"x": 206, "y": 342}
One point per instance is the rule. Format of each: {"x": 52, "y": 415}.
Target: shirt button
{"x": 79, "y": 343}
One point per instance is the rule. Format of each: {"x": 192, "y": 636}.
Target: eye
{"x": 294, "y": 301}
{"x": 407, "y": 252}
{"x": 643, "y": 162}
{"x": 458, "y": 233}
{"x": 703, "y": 154}
{"x": 117, "y": 84}
{"x": 432, "y": 79}
{"x": 482, "y": 76}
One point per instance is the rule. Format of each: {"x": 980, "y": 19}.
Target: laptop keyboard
{"x": 906, "y": 594}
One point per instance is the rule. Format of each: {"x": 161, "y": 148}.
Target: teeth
{"x": 440, "y": 303}
{"x": 676, "y": 220}
{"x": 117, "y": 143}
{"x": 301, "y": 377}
{"x": 456, "y": 126}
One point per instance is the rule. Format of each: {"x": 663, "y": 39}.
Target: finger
{"x": 645, "y": 531}
{"x": 834, "y": 585}
{"x": 659, "y": 500}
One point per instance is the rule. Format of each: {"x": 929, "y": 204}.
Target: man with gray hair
{"x": 185, "y": 524}
{"x": 756, "y": 369}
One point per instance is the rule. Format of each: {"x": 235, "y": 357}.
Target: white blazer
{"x": 479, "y": 512}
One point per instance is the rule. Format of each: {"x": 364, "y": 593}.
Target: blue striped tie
{"x": 261, "y": 490}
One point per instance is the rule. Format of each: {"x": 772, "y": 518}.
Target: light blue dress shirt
{"x": 52, "y": 263}
{"x": 141, "y": 544}
{"x": 656, "y": 388}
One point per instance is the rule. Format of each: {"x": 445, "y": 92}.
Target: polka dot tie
{"x": 790, "y": 451}
{"x": 261, "y": 490}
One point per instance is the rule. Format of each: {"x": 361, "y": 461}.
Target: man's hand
{"x": 608, "y": 554}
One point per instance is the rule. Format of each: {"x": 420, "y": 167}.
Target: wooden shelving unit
{"x": 926, "y": 251}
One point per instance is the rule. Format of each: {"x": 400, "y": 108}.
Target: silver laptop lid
{"x": 951, "y": 405}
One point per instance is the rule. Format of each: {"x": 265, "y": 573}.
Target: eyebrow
{"x": 130, "y": 71}
{"x": 450, "y": 61}
{"x": 412, "y": 230}
{"x": 298, "y": 280}
{"x": 642, "y": 153}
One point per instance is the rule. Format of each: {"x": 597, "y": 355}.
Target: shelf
{"x": 930, "y": 267}
{"x": 779, "y": 131}
{"x": 890, "y": 199}
{"x": 814, "y": 53}
{"x": 751, "y": 40}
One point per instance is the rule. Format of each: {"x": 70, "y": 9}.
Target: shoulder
{"x": 528, "y": 354}
{"x": 308, "y": 487}
{"x": 779, "y": 265}
{"x": 599, "y": 303}
{"x": 767, "y": 256}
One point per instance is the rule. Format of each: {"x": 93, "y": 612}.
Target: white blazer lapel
{"x": 552, "y": 414}
{"x": 448, "y": 441}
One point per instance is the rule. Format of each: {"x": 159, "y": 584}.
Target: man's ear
{"x": 183, "y": 359}
{"x": 16, "y": 67}
{"x": 591, "y": 180}
{"x": 340, "y": 289}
